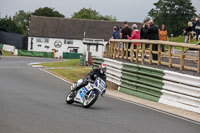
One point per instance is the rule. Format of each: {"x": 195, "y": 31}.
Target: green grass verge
{"x": 72, "y": 74}
{"x": 6, "y": 53}
{"x": 181, "y": 39}
{"x": 67, "y": 63}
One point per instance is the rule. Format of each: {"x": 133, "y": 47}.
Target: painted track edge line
{"x": 155, "y": 109}
{"x": 55, "y": 76}
{"x": 125, "y": 100}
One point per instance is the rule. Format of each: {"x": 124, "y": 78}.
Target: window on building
{"x": 68, "y": 41}
{"x": 97, "y": 48}
{"x": 43, "y": 40}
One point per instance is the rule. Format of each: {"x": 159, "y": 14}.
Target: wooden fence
{"x": 118, "y": 49}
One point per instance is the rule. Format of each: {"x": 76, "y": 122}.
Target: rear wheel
{"x": 89, "y": 101}
{"x": 70, "y": 98}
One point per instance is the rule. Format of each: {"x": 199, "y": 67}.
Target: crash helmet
{"x": 102, "y": 68}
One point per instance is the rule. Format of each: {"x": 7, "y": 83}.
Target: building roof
{"x": 55, "y": 27}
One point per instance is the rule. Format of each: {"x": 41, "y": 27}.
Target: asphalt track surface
{"x": 32, "y": 101}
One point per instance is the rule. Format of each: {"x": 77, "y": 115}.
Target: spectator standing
{"x": 197, "y": 28}
{"x": 126, "y": 30}
{"x": 135, "y": 35}
{"x": 144, "y": 32}
{"x": 153, "y": 35}
{"x": 187, "y": 30}
{"x": 116, "y": 32}
{"x": 193, "y": 24}
{"x": 163, "y": 35}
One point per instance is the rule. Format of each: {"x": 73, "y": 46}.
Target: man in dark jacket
{"x": 197, "y": 28}
{"x": 126, "y": 31}
{"x": 92, "y": 75}
{"x": 153, "y": 35}
{"x": 144, "y": 32}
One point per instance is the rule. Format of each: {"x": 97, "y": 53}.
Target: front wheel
{"x": 70, "y": 98}
{"x": 87, "y": 102}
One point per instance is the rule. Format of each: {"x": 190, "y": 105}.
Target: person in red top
{"x": 135, "y": 35}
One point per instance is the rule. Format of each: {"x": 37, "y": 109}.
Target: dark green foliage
{"x": 48, "y": 12}
{"x": 175, "y": 14}
{"x": 92, "y": 14}
{"x": 10, "y": 25}
{"x": 22, "y": 19}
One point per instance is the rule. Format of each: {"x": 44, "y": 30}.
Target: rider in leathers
{"x": 92, "y": 75}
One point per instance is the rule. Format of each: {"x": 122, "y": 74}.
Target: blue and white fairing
{"x": 99, "y": 85}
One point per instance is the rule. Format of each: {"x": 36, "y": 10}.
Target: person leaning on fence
{"x": 153, "y": 35}
{"x": 126, "y": 30}
{"x": 134, "y": 35}
{"x": 163, "y": 35}
{"x": 187, "y": 31}
{"x": 197, "y": 28}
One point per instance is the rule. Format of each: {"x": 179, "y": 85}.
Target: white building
{"x": 69, "y": 35}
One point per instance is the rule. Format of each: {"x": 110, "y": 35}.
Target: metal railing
{"x": 124, "y": 49}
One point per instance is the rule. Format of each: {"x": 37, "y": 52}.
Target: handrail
{"x": 118, "y": 48}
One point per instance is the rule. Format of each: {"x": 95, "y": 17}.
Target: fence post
{"x": 110, "y": 52}
{"x": 122, "y": 50}
{"x": 170, "y": 56}
{"x": 137, "y": 49}
{"x": 132, "y": 46}
{"x": 198, "y": 70}
{"x": 118, "y": 50}
{"x": 159, "y": 52}
{"x": 127, "y": 51}
{"x": 150, "y": 54}
{"x": 114, "y": 48}
{"x": 182, "y": 59}
{"x": 143, "y": 53}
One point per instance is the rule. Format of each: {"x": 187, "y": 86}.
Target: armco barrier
{"x": 182, "y": 78}
{"x": 166, "y": 87}
{"x": 97, "y": 61}
{"x": 67, "y": 55}
{"x": 35, "y": 54}
{"x": 143, "y": 82}
{"x": 113, "y": 71}
{"x": 181, "y": 90}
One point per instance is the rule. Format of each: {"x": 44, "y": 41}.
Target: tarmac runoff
{"x": 169, "y": 110}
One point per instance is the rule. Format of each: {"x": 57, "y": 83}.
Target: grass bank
{"x": 73, "y": 73}
{"x": 6, "y": 53}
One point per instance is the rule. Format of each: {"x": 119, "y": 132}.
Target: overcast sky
{"x": 129, "y": 10}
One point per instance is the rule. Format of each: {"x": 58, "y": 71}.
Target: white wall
{"x": 64, "y": 47}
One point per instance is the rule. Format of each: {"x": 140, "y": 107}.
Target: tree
{"x": 146, "y": 19}
{"x": 92, "y": 14}
{"x": 175, "y": 14}
{"x": 22, "y": 19}
{"x": 48, "y": 12}
{"x": 10, "y": 25}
